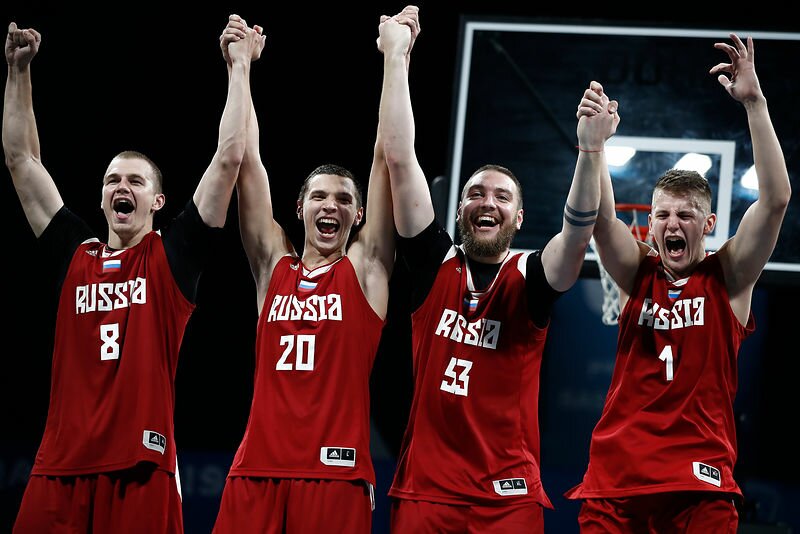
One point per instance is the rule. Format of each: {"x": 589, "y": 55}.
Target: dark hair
{"x": 157, "y": 177}
{"x": 686, "y": 183}
{"x": 330, "y": 168}
{"x": 502, "y": 170}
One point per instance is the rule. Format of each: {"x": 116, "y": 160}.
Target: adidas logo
{"x": 510, "y": 486}
{"x": 338, "y": 456}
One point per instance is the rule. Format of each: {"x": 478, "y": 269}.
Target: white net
{"x": 610, "y": 292}
{"x": 630, "y": 213}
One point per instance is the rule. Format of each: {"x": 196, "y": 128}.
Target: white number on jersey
{"x": 666, "y": 357}
{"x": 304, "y": 353}
{"x": 459, "y": 383}
{"x": 109, "y": 334}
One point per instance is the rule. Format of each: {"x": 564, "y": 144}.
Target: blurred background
{"x": 491, "y": 82}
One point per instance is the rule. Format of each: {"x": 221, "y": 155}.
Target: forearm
{"x": 580, "y": 211}
{"x": 20, "y": 136}
{"x": 413, "y": 207}
{"x": 773, "y": 179}
{"x": 232, "y": 136}
{"x": 396, "y": 115}
{"x": 607, "y": 213}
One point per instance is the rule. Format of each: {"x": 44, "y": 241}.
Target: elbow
{"x": 231, "y": 157}
{"x": 16, "y": 158}
{"x": 396, "y": 161}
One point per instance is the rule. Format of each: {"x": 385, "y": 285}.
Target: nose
{"x": 672, "y": 222}
{"x": 329, "y": 204}
{"x": 489, "y": 201}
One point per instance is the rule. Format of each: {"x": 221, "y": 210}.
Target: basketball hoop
{"x": 632, "y": 214}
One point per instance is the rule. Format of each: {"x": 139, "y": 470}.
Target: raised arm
{"x": 214, "y": 191}
{"x": 263, "y": 238}
{"x": 747, "y": 252}
{"x": 562, "y": 257}
{"x": 618, "y": 249}
{"x": 35, "y": 187}
{"x": 413, "y": 207}
{"x": 373, "y": 250}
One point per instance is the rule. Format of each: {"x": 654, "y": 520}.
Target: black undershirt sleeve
{"x": 541, "y": 296}
{"x": 422, "y": 256}
{"x": 58, "y": 243}
{"x": 188, "y": 243}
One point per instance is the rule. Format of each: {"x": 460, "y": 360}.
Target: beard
{"x": 485, "y": 247}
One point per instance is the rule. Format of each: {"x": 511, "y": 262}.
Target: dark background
{"x": 147, "y": 77}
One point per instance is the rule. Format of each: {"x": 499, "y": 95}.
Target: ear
{"x": 359, "y": 216}
{"x": 158, "y": 202}
{"x": 299, "y": 210}
{"x": 519, "y": 219}
{"x": 458, "y": 211}
{"x": 711, "y": 222}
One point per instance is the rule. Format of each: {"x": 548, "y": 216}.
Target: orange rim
{"x": 638, "y": 230}
{"x": 633, "y": 207}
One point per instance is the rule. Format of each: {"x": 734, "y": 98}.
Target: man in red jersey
{"x": 663, "y": 453}
{"x": 107, "y": 461}
{"x": 304, "y": 463}
{"x": 469, "y": 460}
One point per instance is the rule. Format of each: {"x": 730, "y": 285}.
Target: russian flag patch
{"x": 112, "y": 265}
{"x": 306, "y": 285}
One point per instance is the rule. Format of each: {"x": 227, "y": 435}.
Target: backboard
{"x": 519, "y": 83}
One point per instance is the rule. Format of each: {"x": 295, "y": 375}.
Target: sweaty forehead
{"x": 331, "y": 183}
{"x": 129, "y": 166}
{"x": 491, "y": 180}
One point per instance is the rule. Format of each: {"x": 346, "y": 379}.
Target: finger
{"x": 12, "y": 27}
{"x": 721, "y": 67}
{"x": 739, "y": 44}
{"x": 613, "y": 106}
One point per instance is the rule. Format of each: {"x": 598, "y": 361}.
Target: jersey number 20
{"x": 302, "y": 347}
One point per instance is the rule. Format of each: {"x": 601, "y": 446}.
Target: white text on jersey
{"x": 481, "y": 333}
{"x": 684, "y": 313}
{"x": 314, "y": 308}
{"x": 106, "y": 296}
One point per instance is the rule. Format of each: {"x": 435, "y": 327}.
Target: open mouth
{"x": 675, "y": 245}
{"x": 486, "y": 221}
{"x": 122, "y": 206}
{"x": 327, "y": 226}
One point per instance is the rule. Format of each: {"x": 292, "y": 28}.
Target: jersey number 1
{"x": 667, "y": 358}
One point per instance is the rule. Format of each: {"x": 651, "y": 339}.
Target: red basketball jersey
{"x": 120, "y": 322}
{"x": 316, "y": 343}
{"x": 473, "y": 430}
{"x": 668, "y": 422}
